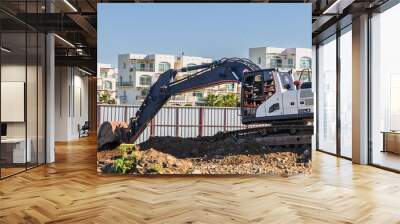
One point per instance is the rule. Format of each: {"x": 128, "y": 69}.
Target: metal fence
{"x": 178, "y": 121}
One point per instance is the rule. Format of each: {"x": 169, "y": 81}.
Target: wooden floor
{"x": 386, "y": 159}
{"x": 70, "y": 191}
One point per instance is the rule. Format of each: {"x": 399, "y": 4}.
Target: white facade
{"x": 106, "y": 80}
{"x": 138, "y": 71}
{"x": 297, "y": 59}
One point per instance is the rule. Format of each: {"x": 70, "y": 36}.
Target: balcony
{"x": 144, "y": 69}
{"x": 125, "y": 84}
{"x": 123, "y": 98}
{"x": 140, "y": 98}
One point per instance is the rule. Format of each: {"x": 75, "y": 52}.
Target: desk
{"x": 13, "y": 150}
{"x": 391, "y": 141}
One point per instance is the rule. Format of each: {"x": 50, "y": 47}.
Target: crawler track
{"x": 275, "y": 136}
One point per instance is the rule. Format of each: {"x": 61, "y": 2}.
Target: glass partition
{"x": 346, "y": 92}
{"x": 327, "y": 95}
{"x": 22, "y": 78}
{"x": 41, "y": 97}
{"x": 31, "y": 97}
{"x": 385, "y": 89}
{"x": 13, "y": 92}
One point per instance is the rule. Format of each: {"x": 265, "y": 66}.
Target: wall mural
{"x": 210, "y": 112}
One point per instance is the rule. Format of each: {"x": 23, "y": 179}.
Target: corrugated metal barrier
{"x": 177, "y": 121}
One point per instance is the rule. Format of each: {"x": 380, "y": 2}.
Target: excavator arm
{"x": 222, "y": 71}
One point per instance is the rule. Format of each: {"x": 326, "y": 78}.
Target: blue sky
{"x": 208, "y": 30}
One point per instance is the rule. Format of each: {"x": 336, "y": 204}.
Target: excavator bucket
{"x": 111, "y": 135}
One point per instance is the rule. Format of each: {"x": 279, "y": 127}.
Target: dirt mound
{"x": 144, "y": 162}
{"x": 281, "y": 163}
{"x": 211, "y": 147}
{"x": 153, "y": 161}
{"x": 205, "y": 155}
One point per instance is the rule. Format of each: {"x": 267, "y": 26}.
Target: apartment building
{"x": 137, "y": 72}
{"x": 106, "y": 81}
{"x": 297, "y": 59}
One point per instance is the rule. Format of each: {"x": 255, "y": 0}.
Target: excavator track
{"x": 274, "y": 136}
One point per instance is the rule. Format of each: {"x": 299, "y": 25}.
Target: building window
{"x": 103, "y": 73}
{"x": 290, "y": 62}
{"x": 198, "y": 94}
{"x": 145, "y": 80}
{"x": 144, "y": 92}
{"x": 124, "y": 65}
{"x": 151, "y": 65}
{"x": 276, "y": 62}
{"x": 305, "y": 62}
{"x": 230, "y": 87}
{"x": 259, "y": 60}
{"x": 107, "y": 85}
{"x": 163, "y": 66}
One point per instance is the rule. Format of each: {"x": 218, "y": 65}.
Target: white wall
{"x": 71, "y": 103}
{"x": 259, "y": 52}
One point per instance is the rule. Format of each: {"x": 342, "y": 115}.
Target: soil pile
{"x": 205, "y": 155}
{"x": 210, "y": 147}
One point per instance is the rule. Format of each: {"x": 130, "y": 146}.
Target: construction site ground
{"x": 207, "y": 155}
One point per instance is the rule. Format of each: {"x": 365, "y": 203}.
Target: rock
{"x": 196, "y": 171}
{"x": 218, "y": 157}
{"x": 108, "y": 168}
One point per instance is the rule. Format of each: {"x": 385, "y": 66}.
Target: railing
{"x": 178, "y": 121}
{"x": 125, "y": 83}
{"x": 143, "y": 69}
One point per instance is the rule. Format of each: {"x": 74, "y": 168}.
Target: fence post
{"x": 176, "y": 121}
{"x": 201, "y": 114}
{"x": 224, "y": 119}
{"x": 152, "y": 127}
{"x": 126, "y": 114}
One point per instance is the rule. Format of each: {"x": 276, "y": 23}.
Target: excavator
{"x": 267, "y": 96}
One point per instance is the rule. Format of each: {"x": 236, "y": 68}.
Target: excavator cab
{"x": 272, "y": 95}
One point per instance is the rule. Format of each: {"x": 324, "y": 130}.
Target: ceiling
{"x": 75, "y": 22}
{"x": 330, "y": 15}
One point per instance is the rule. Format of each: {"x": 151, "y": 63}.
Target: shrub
{"x": 126, "y": 148}
{"x": 124, "y": 165}
{"x": 227, "y": 100}
{"x": 155, "y": 168}
{"x": 128, "y": 161}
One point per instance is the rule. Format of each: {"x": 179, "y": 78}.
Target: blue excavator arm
{"x": 222, "y": 71}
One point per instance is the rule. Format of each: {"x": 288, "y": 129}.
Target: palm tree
{"x": 104, "y": 97}
{"x": 227, "y": 100}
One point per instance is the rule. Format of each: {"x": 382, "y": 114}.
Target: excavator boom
{"x": 221, "y": 71}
